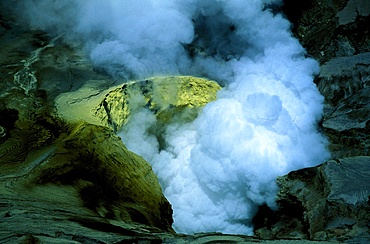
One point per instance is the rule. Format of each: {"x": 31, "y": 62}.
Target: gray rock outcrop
{"x": 328, "y": 202}
{"x": 331, "y": 201}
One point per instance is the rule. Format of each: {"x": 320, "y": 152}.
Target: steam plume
{"x": 218, "y": 169}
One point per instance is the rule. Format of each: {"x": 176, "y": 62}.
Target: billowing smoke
{"x": 218, "y": 169}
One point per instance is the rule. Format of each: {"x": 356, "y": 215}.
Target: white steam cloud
{"x": 218, "y": 169}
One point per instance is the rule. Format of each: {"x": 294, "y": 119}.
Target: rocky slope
{"x": 64, "y": 181}
{"x": 66, "y": 177}
{"x": 337, "y": 34}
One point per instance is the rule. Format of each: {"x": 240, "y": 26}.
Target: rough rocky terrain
{"x": 331, "y": 201}
{"x": 65, "y": 177}
{"x": 337, "y": 34}
{"x": 328, "y": 202}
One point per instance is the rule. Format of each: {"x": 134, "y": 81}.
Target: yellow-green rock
{"x": 111, "y": 180}
{"x": 168, "y": 97}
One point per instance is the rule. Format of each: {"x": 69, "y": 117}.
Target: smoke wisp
{"x": 218, "y": 169}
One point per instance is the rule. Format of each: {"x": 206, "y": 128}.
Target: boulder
{"x": 327, "y": 202}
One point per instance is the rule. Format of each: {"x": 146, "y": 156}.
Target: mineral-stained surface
{"x": 65, "y": 177}
{"x": 63, "y": 180}
{"x": 169, "y": 98}
{"x": 71, "y": 181}
{"x": 64, "y": 174}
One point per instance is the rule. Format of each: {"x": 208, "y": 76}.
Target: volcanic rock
{"x": 328, "y": 202}
{"x": 63, "y": 180}
{"x": 72, "y": 180}
{"x": 66, "y": 177}
{"x": 64, "y": 170}
{"x": 170, "y": 98}
{"x": 331, "y": 201}
{"x": 337, "y": 34}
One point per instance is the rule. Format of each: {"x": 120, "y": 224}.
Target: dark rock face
{"x": 344, "y": 82}
{"x": 328, "y": 202}
{"x": 337, "y": 34}
{"x": 330, "y": 28}
{"x": 331, "y": 201}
